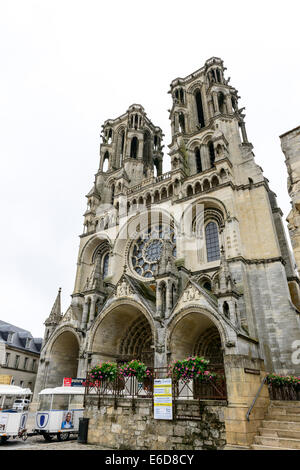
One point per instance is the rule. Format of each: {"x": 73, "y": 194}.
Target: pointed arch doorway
{"x": 123, "y": 334}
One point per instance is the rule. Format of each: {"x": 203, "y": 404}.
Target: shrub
{"x": 191, "y": 368}
{"x": 105, "y": 371}
{"x": 135, "y": 368}
{"x": 281, "y": 380}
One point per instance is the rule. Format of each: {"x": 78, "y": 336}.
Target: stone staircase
{"x": 280, "y": 429}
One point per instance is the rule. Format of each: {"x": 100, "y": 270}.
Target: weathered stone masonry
{"x": 121, "y": 428}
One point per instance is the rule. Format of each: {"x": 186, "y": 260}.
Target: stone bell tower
{"x": 208, "y": 128}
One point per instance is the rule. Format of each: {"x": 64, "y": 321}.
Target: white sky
{"x": 68, "y": 65}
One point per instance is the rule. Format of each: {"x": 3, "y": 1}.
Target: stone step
{"x": 285, "y": 409}
{"x": 259, "y": 447}
{"x": 285, "y": 425}
{"x": 288, "y": 433}
{"x": 275, "y": 416}
{"x": 285, "y": 404}
{"x": 280, "y": 442}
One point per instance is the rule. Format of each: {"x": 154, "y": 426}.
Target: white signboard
{"x": 163, "y": 399}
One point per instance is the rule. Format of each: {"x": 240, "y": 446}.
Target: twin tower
{"x": 205, "y": 122}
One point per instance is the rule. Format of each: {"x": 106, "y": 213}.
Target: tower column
{"x": 158, "y": 302}
{"x": 204, "y": 105}
{"x": 169, "y": 300}
{"x": 244, "y": 133}
{"x": 92, "y": 311}
{"x": 216, "y": 104}
{"x": 229, "y": 104}
{"x": 84, "y": 315}
{"x": 176, "y": 123}
{"x": 205, "y": 160}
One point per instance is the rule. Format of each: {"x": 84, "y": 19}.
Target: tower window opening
{"x": 147, "y": 149}
{"x": 211, "y": 151}
{"x": 226, "y": 309}
{"x": 173, "y": 295}
{"x": 234, "y": 103}
{"x": 105, "y": 265}
{"x": 112, "y": 193}
{"x": 163, "y": 299}
{"x": 206, "y": 185}
{"x": 198, "y": 160}
{"x": 134, "y": 147}
{"x": 207, "y": 285}
{"x": 211, "y": 75}
{"x": 122, "y": 145}
{"x": 219, "y": 76}
{"x": 212, "y": 242}
{"x": 181, "y": 96}
{"x": 109, "y": 140}
{"x": 105, "y": 162}
{"x": 136, "y": 121}
{"x": 182, "y": 123}
{"x": 221, "y": 103}
{"x": 199, "y": 105}
{"x": 164, "y": 193}
{"x": 197, "y": 188}
{"x": 189, "y": 191}
{"x": 214, "y": 182}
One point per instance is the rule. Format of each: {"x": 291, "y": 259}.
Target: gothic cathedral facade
{"x": 190, "y": 262}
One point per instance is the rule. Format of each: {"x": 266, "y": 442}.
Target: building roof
{"x": 19, "y": 338}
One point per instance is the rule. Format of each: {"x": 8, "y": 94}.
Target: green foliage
{"x": 191, "y": 368}
{"x": 105, "y": 371}
{"x": 136, "y": 369}
{"x": 280, "y": 380}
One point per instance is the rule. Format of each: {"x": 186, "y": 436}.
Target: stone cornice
{"x": 256, "y": 261}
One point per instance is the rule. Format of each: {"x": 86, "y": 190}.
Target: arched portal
{"x": 122, "y": 335}
{"x": 195, "y": 334}
{"x": 63, "y": 359}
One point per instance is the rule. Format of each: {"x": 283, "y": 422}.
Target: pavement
{"x": 37, "y": 442}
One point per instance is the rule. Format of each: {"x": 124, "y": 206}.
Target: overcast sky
{"x": 67, "y": 66}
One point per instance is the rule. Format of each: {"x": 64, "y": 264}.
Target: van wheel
{"x": 3, "y": 439}
{"x": 63, "y": 436}
{"x": 47, "y": 437}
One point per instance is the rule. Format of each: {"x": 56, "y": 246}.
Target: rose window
{"x": 147, "y": 249}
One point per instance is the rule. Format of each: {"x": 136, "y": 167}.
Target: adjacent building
{"x": 19, "y": 355}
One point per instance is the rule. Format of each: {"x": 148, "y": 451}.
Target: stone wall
{"x": 124, "y": 428}
{"x": 243, "y": 378}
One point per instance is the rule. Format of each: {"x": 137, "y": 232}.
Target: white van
{"x": 21, "y": 404}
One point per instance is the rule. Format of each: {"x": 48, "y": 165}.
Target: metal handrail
{"x": 256, "y": 397}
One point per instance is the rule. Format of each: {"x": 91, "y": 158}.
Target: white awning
{"x": 14, "y": 390}
{"x": 63, "y": 391}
